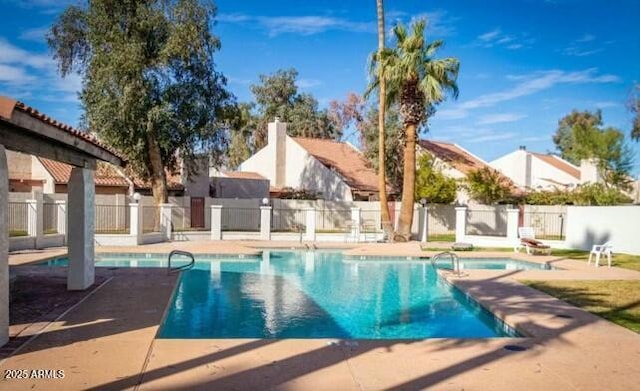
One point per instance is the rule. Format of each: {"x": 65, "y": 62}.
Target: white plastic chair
{"x": 599, "y": 250}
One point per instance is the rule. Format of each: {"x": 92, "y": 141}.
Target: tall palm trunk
{"x": 382, "y": 177}
{"x": 408, "y": 184}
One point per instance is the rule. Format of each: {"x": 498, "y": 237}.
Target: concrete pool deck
{"x": 108, "y": 341}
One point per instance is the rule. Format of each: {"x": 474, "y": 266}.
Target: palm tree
{"x": 382, "y": 178}
{"x": 417, "y": 82}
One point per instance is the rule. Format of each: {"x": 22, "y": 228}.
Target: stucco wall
{"x": 589, "y": 225}
{"x": 240, "y": 188}
{"x": 514, "y": 165}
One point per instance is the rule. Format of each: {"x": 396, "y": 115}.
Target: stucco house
{"x": 29, "y": 173}
{"x": 239, "y": 184}
{"x": 538, "y": 171}
{"x": 454, "y": 162}
{"x": 332, "y": 169}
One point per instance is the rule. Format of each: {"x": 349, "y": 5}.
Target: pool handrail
{"x": 455, "y": 261}
{"x": 183, "y": 267}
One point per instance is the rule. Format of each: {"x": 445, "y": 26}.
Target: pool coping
{"x": 584, "y": 352}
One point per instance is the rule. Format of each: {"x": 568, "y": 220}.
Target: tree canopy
{"x": 431, "y": 184}
{"x": 581, "y": 135}
{"x": 277, "y": 95}
{"x": 150, "y": 86}
{"x": 487, "y": 186}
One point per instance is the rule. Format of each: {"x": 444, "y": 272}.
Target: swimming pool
{"x": 297, "y": 294}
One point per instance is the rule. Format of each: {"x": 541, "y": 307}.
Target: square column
{"x": 35, "y": 219}
{"x": 81, "y": 247}
{"x": 165, "y": 221}
{"x": 310, "y": 221}
{"x": 423, "y": 221}
{"x": 135, "y": 222}
{"x": 216, "y": 222}
{"x": 265, "y": 223}
{"x": 461, "y": 223}
{"x": 512, "y": 225}
{"x": 356, "y": 221}
{"x": 4, "y": 247}
{"x": 61, "y": 211}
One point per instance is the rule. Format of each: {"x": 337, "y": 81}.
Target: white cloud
{"x": 500, "y": 118}
{"x": 528, "y": 84}
{"x": 15, "y": 55}
{"x": 583, "y": 46}
{"x": 14, "y": 75}
{"x": 308, "y": 83}
{"x": 302, "y": 25}
{"x": 509, "y": 41}
{"x": 604, "y": 105}
{"x": 37, "y": 34}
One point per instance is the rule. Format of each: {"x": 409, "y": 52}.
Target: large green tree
{"x": 150, "y": 87}
{"x": 417, "y": 82}
{"x": 242, "y": 124}
{"x": 581, "y": 135}
{"x": 277, "y": 96}
{"x": 634, "y": 107}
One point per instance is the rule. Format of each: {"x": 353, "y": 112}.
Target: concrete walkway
{"x": 108, "y": 342}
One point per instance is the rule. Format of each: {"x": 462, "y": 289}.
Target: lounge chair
{"x": 601, "y": 249}
{"x": 529, "y": 243}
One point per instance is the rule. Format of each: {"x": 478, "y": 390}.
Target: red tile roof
{"x": 243, "y": 175}
{"x": 558, "y": 163}
{"x": 453, "y": 155}
{"x": 8, "y": 105}
{"x": 105, "y": 174}
{"x": 173, "y": 181}
{"x": 344, "y": 159}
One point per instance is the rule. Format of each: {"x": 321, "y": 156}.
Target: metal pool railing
{"x": 18, "y": 218}
{"x": 288, "y": 220}
{"x": 241, "y": 219}
{"x": 546, "y": 225}
{"x": 111, "y": 219}
{"x": 49, "y": 218}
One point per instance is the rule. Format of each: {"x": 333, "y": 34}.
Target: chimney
{"x": 589, "y": 172}
{"x": 277, "y": 142}
{"x": 523, "y": 148}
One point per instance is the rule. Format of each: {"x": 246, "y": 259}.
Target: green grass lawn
{"x": 617, "y": 301}
{"x": 442, "y": 237}
{"x": 620, "y": 260}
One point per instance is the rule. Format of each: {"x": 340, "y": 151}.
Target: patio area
{"x": 564, "y": 348}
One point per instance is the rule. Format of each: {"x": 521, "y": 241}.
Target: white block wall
{"x": 589, "y": 225}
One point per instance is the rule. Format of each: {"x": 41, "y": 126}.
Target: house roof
{"x": 105, "y": 175}
{"x": 344, "y": 159}
{"x": 453, "y": 155}
{"x": 173, "y": 181}
{"x": 559, "y": 163}
{"x": 8, "y": 106}
{"x": 243, "y": 175}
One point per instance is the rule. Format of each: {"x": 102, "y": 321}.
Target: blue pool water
{"x": 289, "y": 294}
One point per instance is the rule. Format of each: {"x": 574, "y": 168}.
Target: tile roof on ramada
{"x": 559, "y": 163}
{"x": 105, "y": 175}
{"x": 242, "y": 175}
{"x": 7, "y": 105}
{"x": 344, "y": 159}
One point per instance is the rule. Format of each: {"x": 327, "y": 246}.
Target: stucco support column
{"x": 165, "y": 221}
{"x": 81, "y": 248}
{"x": 61, "y": 212}
{"x": 4, "y": 247}
{"x": 265, "y": 223}
{"x": 310, "y": 224}
{"x": 512, "y": 225}
{"x": 135, "y": 221}
{"x": 356, "y": 222}
{"x": 216, "y": 222}
{"x": 461, "y": 223}
{"x": 423, "y": 221}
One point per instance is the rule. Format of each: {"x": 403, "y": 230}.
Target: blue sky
{"x": 524, "y": 64}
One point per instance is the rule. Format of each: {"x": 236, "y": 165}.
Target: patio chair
{"x": 599, "y": 250}
{"x": 529, "y": 243}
